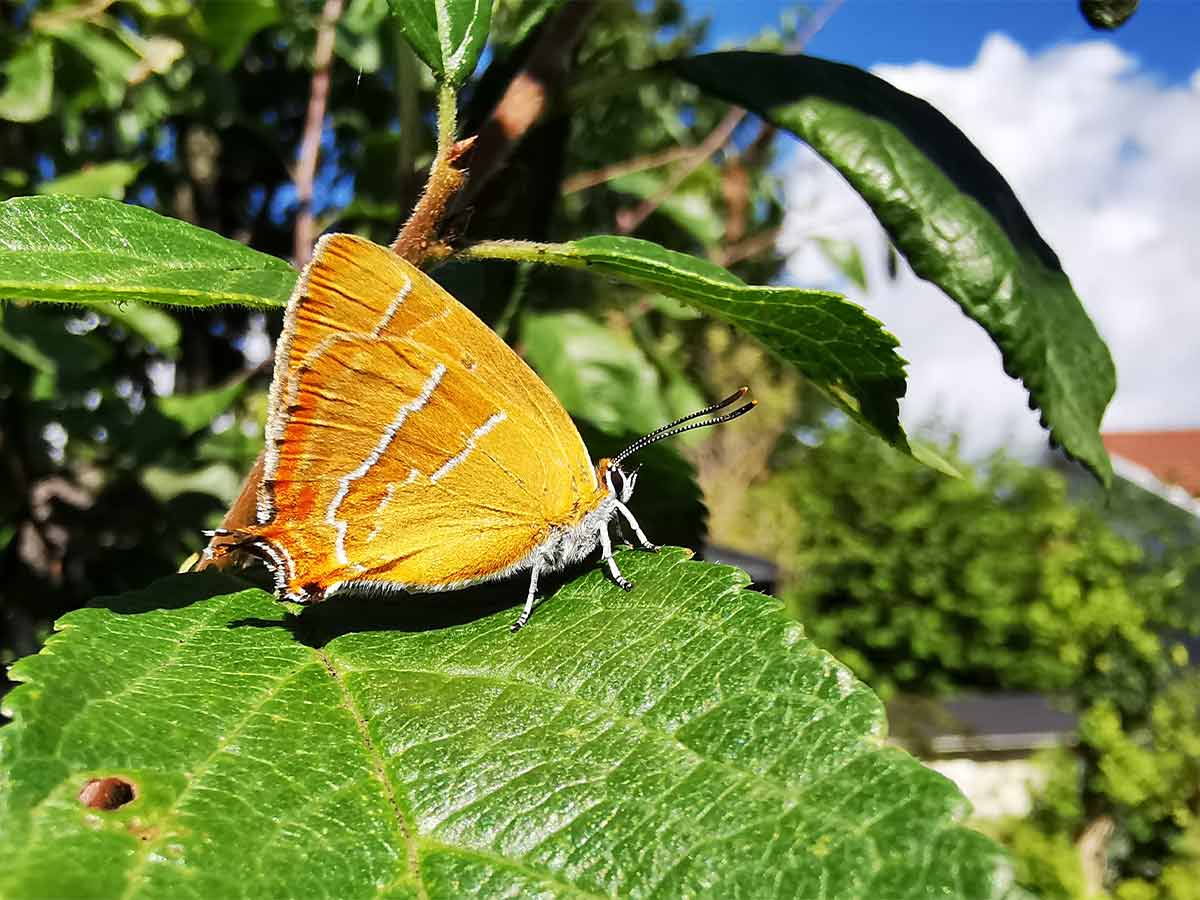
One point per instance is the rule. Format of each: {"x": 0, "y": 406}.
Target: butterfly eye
{"x": 622, "y": 483}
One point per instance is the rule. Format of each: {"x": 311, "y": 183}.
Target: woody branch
{"x": 314, "y": 119}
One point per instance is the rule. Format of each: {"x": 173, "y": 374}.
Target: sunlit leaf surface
{"x": 75, "y": 250}
{"x": 683, "y": 739}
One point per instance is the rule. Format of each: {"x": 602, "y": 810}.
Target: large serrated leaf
{"x": 680, "y": 740}
{"x": 448, "y": 35}
{"x": 74, "y": 250}
{"x": 952, "y": 215}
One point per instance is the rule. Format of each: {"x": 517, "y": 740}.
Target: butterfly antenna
{"x": 677, "y": 427}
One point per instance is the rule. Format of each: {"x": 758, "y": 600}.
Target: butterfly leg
{"x": 637, "y": 529}
{"x": 528, "y": 610}
{"x": 607, "y": 554}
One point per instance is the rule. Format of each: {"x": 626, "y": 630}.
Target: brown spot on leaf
{"x": 143, "y": 831}
{"x": 107, "y": 793}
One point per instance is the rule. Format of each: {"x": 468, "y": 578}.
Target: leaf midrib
{"x": 379, "y": 769}
{"x": 88, "y": 287}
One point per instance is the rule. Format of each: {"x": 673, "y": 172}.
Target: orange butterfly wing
{"x": 407, "y": 444}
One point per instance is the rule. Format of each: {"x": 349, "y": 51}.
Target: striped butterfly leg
{"x": 606, "y": 553}
{"x": 523, "y": 618}
{"x": 637, "y": 529}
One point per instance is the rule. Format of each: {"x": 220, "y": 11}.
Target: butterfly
{"x": 408, "y": 448}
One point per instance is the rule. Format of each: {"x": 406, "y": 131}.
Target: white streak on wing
{"x": 387, "y": 498}
{"x": 392, "y": 307}
{"x": 479, "y": 432}
{"x": 385, "y": 440}
{"x": 437, "y": 317}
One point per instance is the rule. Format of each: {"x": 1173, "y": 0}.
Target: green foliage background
{"x": 1007, "y": 580}
{"x": 116, "y": 417}
{"x": 125, "y": 428}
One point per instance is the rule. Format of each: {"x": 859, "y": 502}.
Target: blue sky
{"x": 1164, "y": 35}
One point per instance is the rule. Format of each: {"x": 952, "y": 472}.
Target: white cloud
{"x": 1104, "y": 159}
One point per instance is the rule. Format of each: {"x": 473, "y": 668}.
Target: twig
{"x": 584, "y": 180}
{"x": 816, "y": 22}
{"x": 314, "y": 120}
{"x": 48, "y": 21}
{"x": 629, "y": 220}
{"x": 744, "y": 249}
{"x": 735, "y": 183}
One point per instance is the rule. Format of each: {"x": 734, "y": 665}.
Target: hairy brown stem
{"x": 314, "y": 119}
{"x": 417, "y": 240}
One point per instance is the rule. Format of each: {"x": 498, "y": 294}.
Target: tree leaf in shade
{"x": 107, "y": 179}
{"x": 28, "y": 82}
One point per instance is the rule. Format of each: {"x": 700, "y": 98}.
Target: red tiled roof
{"x": 1172, "y": 456}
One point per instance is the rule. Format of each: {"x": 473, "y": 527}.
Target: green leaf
{"x": 674, "y": 309}
{"x": 836, "y": 344}
{"x": 26, "y": 350}
{"x": 166, "y": 8}
{"x": 358, "y": 32}
{"x": 71, "y": 250}
{"x": 684, "y": 739}
{"x": 195, "y": 411}
{"x": 596, "y": 373}
{"x": 845, "y": 257}
{"x": 74, "y": 358}
{"x": 690, "y": 206}
{"x": 950, "y": 213}
{"x": 216, "y": 479}
{"x": 230, "y": 24}
{"x": 28, "y": 83}
{"x": 154, "y": 325}
{"x": 448, "y": 35}
{"x": 101, "y": 180}
{"x": 112, "y": 61}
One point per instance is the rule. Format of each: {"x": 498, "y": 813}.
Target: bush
{"x": 932, "y": 585}
{"x": 998, "y": 581}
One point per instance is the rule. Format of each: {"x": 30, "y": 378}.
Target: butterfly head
{"x": 620, "y": 481}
